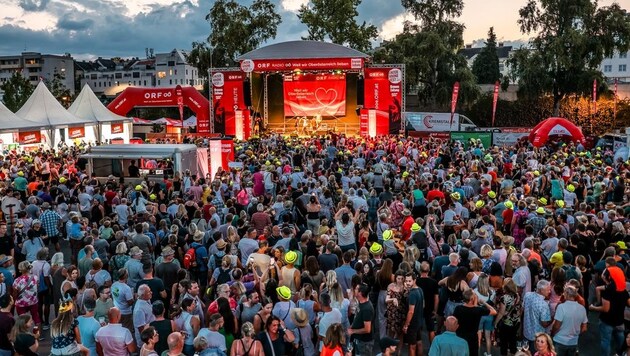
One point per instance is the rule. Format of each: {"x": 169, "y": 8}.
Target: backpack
{"x": 224, "y": 276}
{"x": 190, "y": 258}
{"x": 242, "y": 197}
{"x": 571, "y": 273}
{"x": 41, "y": 284}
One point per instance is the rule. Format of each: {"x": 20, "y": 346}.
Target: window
{"x": 158, "y": 82}
{"x": 161, "y": 74}
{"x": 170, "y": 72}
{"x": 622, "y": 67}
{"x": 171, "y": 63}
{"x": 607, "y": 68}
{"x": 145, "y": 83}
{"x": 186, "y": 71}
{"x": 623, "y": 55}
{"x": 136, "y": 74}
{"x": 118, "y": 75}
{"x": 170, "y": 81}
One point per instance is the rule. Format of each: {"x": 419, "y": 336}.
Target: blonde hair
{"x": 486, "y": 251}
{"x": 226, "y": 261}
{"x": 331, "y": 278}
{"x": 247, "y": 330}
{"x": 20, "y": 326}
{"x": 62, "y": 324}
{"x": 483, "y": 285}
{"x": 548, "y": 339}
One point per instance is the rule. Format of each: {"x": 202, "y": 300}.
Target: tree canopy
{"x": 572, "y": 38}
{"x": 334, "y": 20}
{"x": 16, "y": 91}
{"x": 486, "y": 65}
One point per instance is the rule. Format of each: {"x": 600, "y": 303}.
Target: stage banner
{"x": 76, "y": 132}
{"x": 227, "y": 97}
{"x": 314, "y": 95}
{"x": 29, "y": 137}
{"x": 383, "y": 93}
{"x": 267, "y": 65}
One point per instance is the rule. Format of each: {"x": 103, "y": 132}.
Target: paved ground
{"x": 589, "y": 341}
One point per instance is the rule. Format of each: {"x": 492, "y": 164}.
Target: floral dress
{"x": 396, "y": 313}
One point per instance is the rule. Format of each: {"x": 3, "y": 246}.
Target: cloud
{"x": 68, "y": 23}
{"x": 33, "y": 5}
{"x": 292, "y": 5}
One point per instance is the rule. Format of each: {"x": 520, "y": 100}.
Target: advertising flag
{"x": 454, "y": 100}
{"x": 495, "y": 100}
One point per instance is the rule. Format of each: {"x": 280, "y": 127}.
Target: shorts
{"x": 486, "y": 323}
{"x": 412, "y": 336}
{"x": 45, "y": 297}
{"x": 53, "y": 240}
{"x": 429, "y": 323}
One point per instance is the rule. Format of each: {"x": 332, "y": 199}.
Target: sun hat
{"x": 622, "y": 245}
{"x": 571, "y": 188}
{"x": 481, "y": 232}
{"x": 152, "y": 197}
{"x": 284, "y": 292}
{"x": 221, "y": 244}
{"x": 138, "y": 187}
{"x": 198, "y": 236}
{"x": 560, "y": 203}
{"x": 479, "y": 204}
{"x": 135, "y": 251}
{"x": 456, "y": 196}
{"x": 542, "y": 201}
{"x": 290, "y": 257}
{"x": 405, "y": 174}
{"x": 508, "y": 204}
{"x": 376, "y": 249}
{"x": 167, "y": 251}
{"x": 415, "y": 227}
{"x": 387, "y": 235}
{"x": 20, "y": 173}
{"x": 406, "y": 212}
{"x": 492, "y": 194}
{"x": 4, "y": 259}
{"x": 540, "y": 210}
{"x": 299, "y": 317}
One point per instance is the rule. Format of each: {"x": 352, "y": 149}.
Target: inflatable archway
{"x": 156, "y": 97}
{"x": 554, "y": 126}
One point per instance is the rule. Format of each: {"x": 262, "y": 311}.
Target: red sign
{"x": 76, "y": 132}
{"x": 118, "y": 128}
{"x": 454, "y": 100}
{"x": 315, "y": 94}
{"x": 495, "y": 100}
{"x": 150, "y": 97}
{"x": 383, "y": 93}
{"x": 221, "y": 154}
{"x": 29, "y": 137}
{"x": 266, "y": 65}
{"x": 227, "y": 97}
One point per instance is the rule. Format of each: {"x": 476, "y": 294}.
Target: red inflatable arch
{"x": 554, "y": 126}
{"x": 155, "y": 97}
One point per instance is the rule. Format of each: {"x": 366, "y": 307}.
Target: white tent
{"x": 44, "y": 109}
{"x": 11, "y": 122}
{"x": 87, "y": 106}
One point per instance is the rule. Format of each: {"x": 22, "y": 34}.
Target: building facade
{"x": 616, "y": 67}
{"x": 36, "y": 66}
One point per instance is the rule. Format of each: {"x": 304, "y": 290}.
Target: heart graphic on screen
{"x": 326, "y": 97}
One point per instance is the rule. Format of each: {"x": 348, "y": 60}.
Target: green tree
{"x": 335, "y": 20}
{"x": 16, "y": 91}
{"x": 429, "y": 51}
{"x": 58, "y": 88}
{"x": 486, "y": 65}
{"x": 572, "y": 38}
{"x": 237, "y": 29}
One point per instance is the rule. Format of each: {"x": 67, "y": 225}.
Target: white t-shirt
{"x": 114, "y": 339}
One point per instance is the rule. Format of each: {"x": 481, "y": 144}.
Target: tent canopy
{"x": 555, "y": 126}
{"x": 11, "y": 122}
{"x": 44, "y": 109}
{"x": 88, "y": 107}
{"x": 302, "y": 49}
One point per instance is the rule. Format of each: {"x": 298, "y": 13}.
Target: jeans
{"x": 381, "y": 308}
{"x": 363, "y": 348}
{"x": 563, "y": 350}
{"x": 313, "y": 225}
{"x": 608, "y": 333}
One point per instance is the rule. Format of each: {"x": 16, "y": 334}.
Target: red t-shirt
{"x": 434, "y": 194}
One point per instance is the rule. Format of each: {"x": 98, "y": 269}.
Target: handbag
{"x": 300, "y": 349}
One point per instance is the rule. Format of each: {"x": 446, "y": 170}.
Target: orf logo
{"x": 218, "y": 80}
{"x": 395, "y": 76}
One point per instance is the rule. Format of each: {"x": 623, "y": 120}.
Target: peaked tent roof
{"x": 87, "y": 106}
{"x": 44, "y": 109}
{"x": 11, "y": 122}
{"x": 302, "y": 49}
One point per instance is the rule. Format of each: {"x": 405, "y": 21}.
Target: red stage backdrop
{"x": 383, "y": 92}
{"x": 227, "y": 97}
{"x": 315, "y": 94}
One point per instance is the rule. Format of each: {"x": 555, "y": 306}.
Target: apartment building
{"x": 36, "y": 66}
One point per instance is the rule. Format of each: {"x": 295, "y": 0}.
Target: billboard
{"x": 227, "y": 99}
{"x": 465, "y": 136}
{"x": 431, "y": 121}
{"x": 383, "y": 94}
{"x": 314, "y": 95}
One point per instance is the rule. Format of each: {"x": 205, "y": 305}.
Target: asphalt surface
{"x": 588, "y": 344}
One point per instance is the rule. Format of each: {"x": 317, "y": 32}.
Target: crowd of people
{"x": 320, "y": 246}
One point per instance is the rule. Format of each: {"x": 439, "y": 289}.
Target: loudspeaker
{"x": 247, "y": 92}
{"x": 360, "y": 91}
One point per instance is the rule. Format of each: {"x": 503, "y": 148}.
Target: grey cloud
{"x": 33, "y": 5}
{"x": 71, "y": 24}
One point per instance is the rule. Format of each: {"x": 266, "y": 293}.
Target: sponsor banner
{"x": 383, "y": 93}
{"x": 315, "y": 95}
{"x": 29, "y": 137}
{"x": 454, "y": 100}
{"x": 433, "y": 135}
{"x": 465, "y": 136}
{"x": 507, "y": 138}
{"x": 118, "y": 128}
{"x": 425, "y": 121}
{"x": 168, "y": 97}
{"x": 265, "y": 65}
{"x": 495, "y": 100}
{"x": 76, "y": 132}
{"x": 594, "y": 96}
{"x": 227, "y": 98}
{"x": 221, "y": 155}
